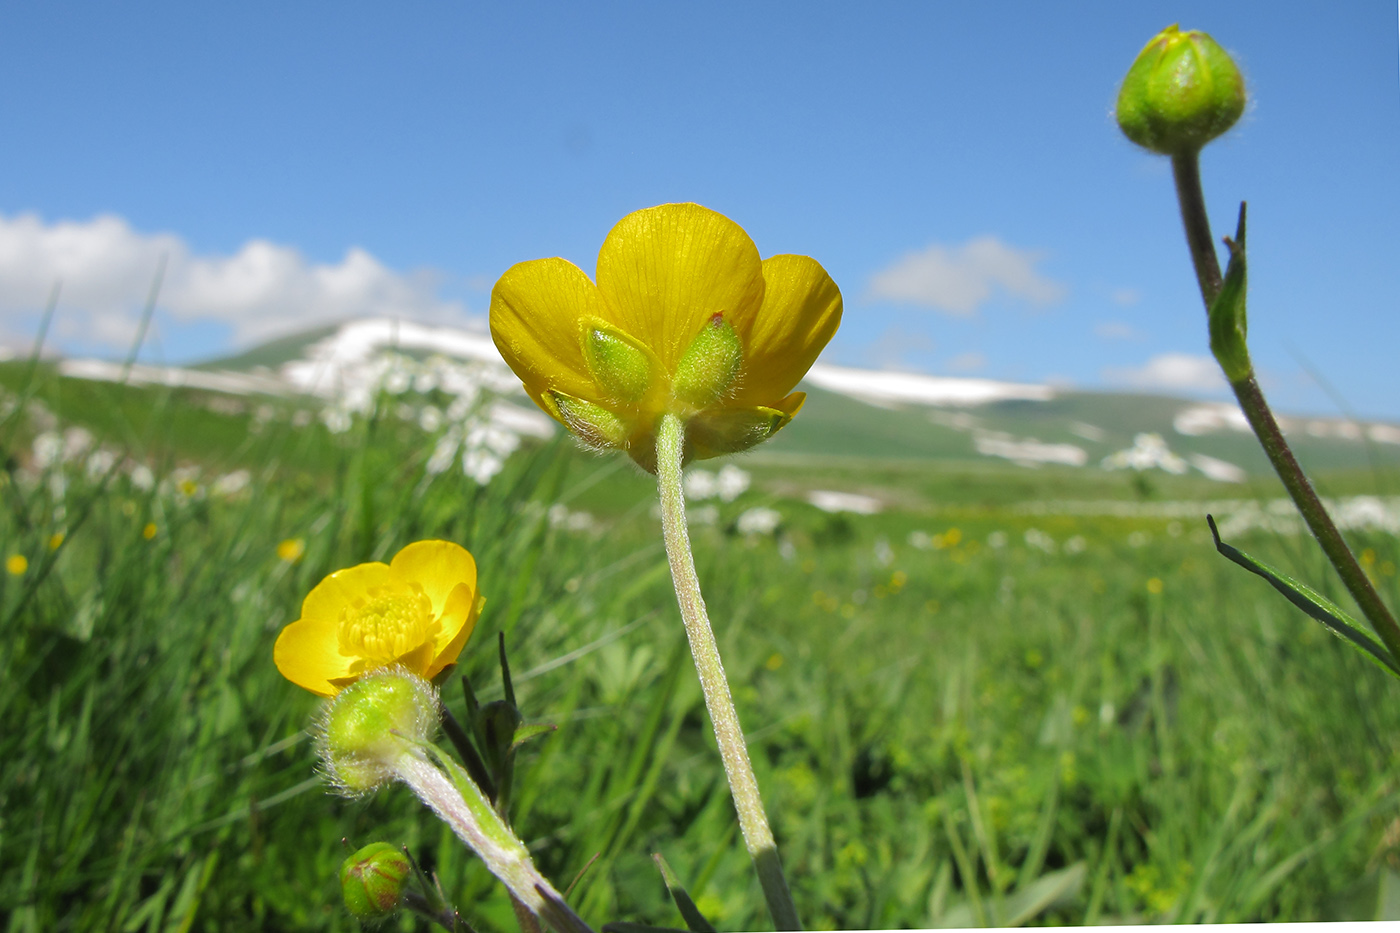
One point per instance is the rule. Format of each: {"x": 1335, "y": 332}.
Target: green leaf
{"x": 694, "y": 920}
{"x": 1228, "y": 322}
{"x": 1312, "y": 602}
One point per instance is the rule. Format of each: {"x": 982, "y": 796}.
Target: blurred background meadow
{"x": 991, "y": 667}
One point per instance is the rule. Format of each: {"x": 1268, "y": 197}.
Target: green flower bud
{"x": 373, "y": 881}
{"x": 1181, "y": 92}
{"x": 372, "y": 724}
{"x": 590, "y": 423}
{"x": 619, "y": 363}
{"x": 710, "y": 365}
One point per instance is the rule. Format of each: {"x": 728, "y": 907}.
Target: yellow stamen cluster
{"x": 387, "y": 625}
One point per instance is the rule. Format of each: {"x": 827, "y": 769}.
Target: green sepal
{"x": 1228, "y": 323}
{"x": 620, "y": 365}
{"x": 591, "y": 423}
{"x": 731, "y": 430}
{"x": 530, "y": 731}
{"x": 1312, "y": 602}
{"x": 709, "y": 365}
{"x": 694, "y": 920}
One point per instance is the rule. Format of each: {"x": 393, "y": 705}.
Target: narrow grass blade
{"x": 694, "y": 920}
{"x": 1312, "y": 602}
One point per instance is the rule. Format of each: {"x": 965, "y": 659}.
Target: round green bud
{"x": 371, "y": 724}
{"x": 373, "y": 880}
{"x": 1181, "y": 92}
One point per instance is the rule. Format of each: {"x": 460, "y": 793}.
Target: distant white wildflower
{"x": 920, "y": 540}
{"x": 703, "y": 515}
{"x": 1076, "y": 545}
{"x": 831, "y": 501}
{"x": 142, "y": 477}
{"x": 336, "y": 419}
{"x": 884, "y": 554}
{"x": 231, "y": 483}
{"x": 1148, "y": 451}
{"x": 996, "y": 540}
{"x": 1039, "y": 540}
{"x": 445, "y": 451}
{"x": 99, "y": 462}
{"x": 759, "y": 521}
{"x": 700, "y": 485}
{"x": 732, "y": 482}
{"x": 48, "y": 450}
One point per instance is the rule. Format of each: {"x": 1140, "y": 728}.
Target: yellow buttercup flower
{"x": 684, "y": 319}
{"x": 415, "y": 612}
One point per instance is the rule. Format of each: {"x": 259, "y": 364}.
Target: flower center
{"x": 387, "y": 625}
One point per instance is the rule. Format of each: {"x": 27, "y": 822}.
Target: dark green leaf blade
{"x": 1310, "y": 601}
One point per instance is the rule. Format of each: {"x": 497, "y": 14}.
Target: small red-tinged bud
{"x": 1181, "y": 92}
{"x": 373, "y": 880}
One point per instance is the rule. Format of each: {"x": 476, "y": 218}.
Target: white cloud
{"x": 1125, "y": 297}
{"x": 262, "y": 290}
{"x": 1171, "y": 372}
{"x": 1116, "y": 330}
{"x": 961, "y": 279}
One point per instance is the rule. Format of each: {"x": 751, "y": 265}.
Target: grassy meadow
{"x": 972, "y": 709}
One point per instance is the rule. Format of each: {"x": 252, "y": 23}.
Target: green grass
{"x": 942, "y": 735}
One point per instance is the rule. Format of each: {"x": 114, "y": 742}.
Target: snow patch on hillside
{"x": 883, "y": 388}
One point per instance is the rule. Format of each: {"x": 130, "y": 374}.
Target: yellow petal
{"x": 536, "y": 310}
{"x": 458, "y": 622}
{"x": 308, "y": 651}
{"x": 310, "y": 657}
{"x": 322, "y": 606}
{"x": 666, "y": 270}
{"x": 801, "y": 310}
{"x": 438, "y": 567}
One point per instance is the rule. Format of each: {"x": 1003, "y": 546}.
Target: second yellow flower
{"x": 684, "y": 319}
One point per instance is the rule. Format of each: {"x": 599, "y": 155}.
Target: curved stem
{"x": 1186, "y": 171}
{"x": 753, "y": 821}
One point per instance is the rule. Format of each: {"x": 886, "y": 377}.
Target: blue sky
{"x": 301, "y": 162}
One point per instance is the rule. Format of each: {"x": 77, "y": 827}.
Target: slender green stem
{"x": 1186, "y": 171}
{"x": 753, "y": 821}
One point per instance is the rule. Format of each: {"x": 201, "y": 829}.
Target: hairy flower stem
{"x": 753, "y": 822}
{"x": 1186, "y": 172}
{"x": 504, "y": 854}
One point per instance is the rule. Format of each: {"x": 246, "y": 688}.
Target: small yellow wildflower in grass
{"x": 291, "y": 550}
{"x": 149, "y": 531}
{"x": 415, "y": 612}
{"x": 16, "y": 564}
{"x": 774, "y": 661}
{"x": 1154, "y": 586}
{"x": 56, "y": 540}
{"x": 684, "y": 319}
